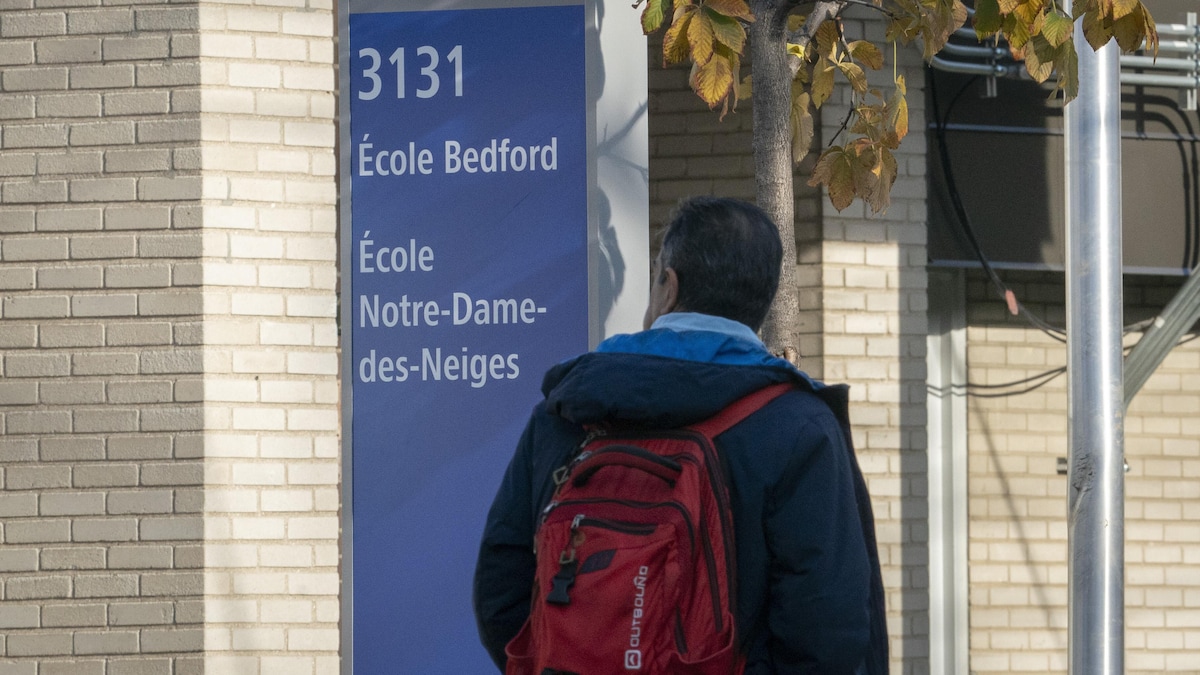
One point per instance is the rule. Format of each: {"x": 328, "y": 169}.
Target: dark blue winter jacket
{"x": 809, "y": 592}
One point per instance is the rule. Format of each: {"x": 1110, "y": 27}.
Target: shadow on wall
{"x": 611, "y": 169}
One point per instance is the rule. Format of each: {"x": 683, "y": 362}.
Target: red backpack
{"x": 635, "y": 561}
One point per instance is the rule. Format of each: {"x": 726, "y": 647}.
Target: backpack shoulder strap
{"x": 741, "y": 409}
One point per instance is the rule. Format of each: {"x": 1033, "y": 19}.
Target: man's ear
{"x": 670, "y": 296}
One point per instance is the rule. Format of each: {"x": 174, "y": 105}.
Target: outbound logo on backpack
{"x": 633, "y": 655}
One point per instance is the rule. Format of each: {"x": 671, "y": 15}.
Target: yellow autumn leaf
{"x": 1068, "y": 72}
{"x": 737, "y": 9}
{"x": 676, "y": 47}
{"x": 712, "y": 81}
{"x": 802, "y": 124}
{"x": 1057, "y": 28}
{"x": 1151, "y": 32}
{"x": 727, "y": 31}
{"x": 653, "y": 15}
{"x": 796, "y": 50}
{"x": 834, "y": 172}
{"x": 745, "y": 88}
{"x": 1129, "y": 31}
{"x": 855, "y": 75}
{"x": 1038, "y": 65}
{"x": 700, "y": 36}
{"x": 827, "y": 39}
{"x": 897, "y": 111}
{"x": 866, "y": 53}
{"x": 822, "y": 83}
{"x": 885, "y": 176}
{"x": 1121, "y": 8}
{"x": 1096, "y": 30}
{"x": 987, "y": 18}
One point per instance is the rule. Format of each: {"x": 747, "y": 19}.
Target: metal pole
{"x": 1096, "y": 499}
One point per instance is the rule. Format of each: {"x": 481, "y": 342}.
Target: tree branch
{"x": 821, "y": 12}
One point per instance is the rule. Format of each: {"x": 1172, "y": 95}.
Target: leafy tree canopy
{"x": 712, "y": 35}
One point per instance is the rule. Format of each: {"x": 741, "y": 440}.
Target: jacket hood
{"x": 662, "y": 378}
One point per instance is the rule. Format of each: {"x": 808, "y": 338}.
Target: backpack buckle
{"x": 560, "y": 475}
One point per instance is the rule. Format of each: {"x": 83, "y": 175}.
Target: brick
{"x": 141, "y": 501}
{"x": 141, "y": 613}
{"x": 168, "y": 19}
{"x": 103, "y": 133}
{"x": 102, "y": 363}
{"x": 65, "y": 220}
{"x": 40, "y": 248}
{"x": 16, "y": 53}
{"x": 139, "y": 392}
{"x": 72, "y": 503}
{"x": 58, "y": 163}
{"x": 16, "y": 505}
{"x": 74, "y": 615}
{"x": 18, "y": 560}
{"x": 40, "y": 587}
{"x": 18, "y": 165}
{"x": 71, "y": 335}
{"x": 175, "y": 245}
{"x": 181, "y": 640}
{"x": 172, "y": 584}
{"x": 104, "y": 305}
{"x": 82, "y": 667}
{"x": 37, "y": 531}
{"x": 105, "y": 475}
{"x": 143, "y": 446}
{"x": 37, "y": 477}
{"x": 18, "y": 616}
{"x": 105, "y": 246}
{"x": 255, "y": 75}
{"x": 39, "y": 644}
{"x": 137, "y": 103}
{"x": 103, "y": 189}
{"x": 107, "y": 529}
{"x": 146, "y": 666}
{"x": 37, "y": 191}
{"x": 70, "y": 277}
{"x": 136, "y": 48}
{"x": 109, "y": 76}
{"x": 106, "y": 642}
{"x": 140, "y": 557}
{"x": 42, "y": 78}
{"x": 33, "y": 24}
{"x": 168, "y": 529}
{"x": 35, "y": 306}
{"x": 137, "y": 217}
{"x": 98, "y": 22}
{"x": 14, "y": 220}
{"x": 18, "y": 393}
{"x": 68, "y": 50}
{"x": 168, "y": 75}
{"x": 73, "y": 558}
{"x": 315, "y": 24}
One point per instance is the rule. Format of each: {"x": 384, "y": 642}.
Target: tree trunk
{"x": 772, "y": 104}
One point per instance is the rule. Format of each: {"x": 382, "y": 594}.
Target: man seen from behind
{"x": 808, "y": 594}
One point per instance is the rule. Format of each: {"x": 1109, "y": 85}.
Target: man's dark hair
{"x": 726, "y": 253}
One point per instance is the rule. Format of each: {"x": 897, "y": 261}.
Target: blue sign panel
{"x": 468, "y": 272}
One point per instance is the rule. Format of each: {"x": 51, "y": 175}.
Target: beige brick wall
{"x": 873, "y": 299}
{"x": 271, "y": 378}
{"x": 169, "y": 401}
{"x": 1018, "y": 528}
{"x": 101, "y": 339}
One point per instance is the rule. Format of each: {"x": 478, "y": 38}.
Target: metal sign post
{"x": 1096, "y": 500}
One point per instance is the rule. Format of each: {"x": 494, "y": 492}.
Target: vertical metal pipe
{"x": 1096, "y": 499}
